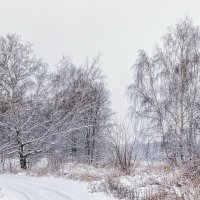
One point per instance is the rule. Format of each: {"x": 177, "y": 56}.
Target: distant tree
{"x": 88, "y": 83}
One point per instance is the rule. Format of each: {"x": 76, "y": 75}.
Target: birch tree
{"x": 165, "y": 92}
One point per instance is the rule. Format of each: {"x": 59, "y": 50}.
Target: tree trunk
{"x": 23, "y": 162}
{"x": 87, "y": 147}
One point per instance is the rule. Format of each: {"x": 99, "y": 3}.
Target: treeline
{"x": 67, "y": 113}
{"x": 64, "y": 113}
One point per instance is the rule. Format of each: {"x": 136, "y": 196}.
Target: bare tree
{"x": 165, "y": 92}
{"x": 17, "y": 68}
{"x": 39, "y": 110}
{"x": 87, "y": 82}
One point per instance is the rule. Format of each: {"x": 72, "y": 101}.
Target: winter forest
{"x": 63, "y": 115}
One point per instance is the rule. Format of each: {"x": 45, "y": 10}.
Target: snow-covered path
{"x": 15, "y": 187}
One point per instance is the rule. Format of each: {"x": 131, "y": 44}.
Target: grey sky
{"x": 81, "y": 28}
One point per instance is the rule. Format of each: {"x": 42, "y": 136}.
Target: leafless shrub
{"x": 123, "y": 142}
{"x": 118, "y": 190}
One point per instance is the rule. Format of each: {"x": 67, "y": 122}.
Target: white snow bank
{"x": 45, "y": 188}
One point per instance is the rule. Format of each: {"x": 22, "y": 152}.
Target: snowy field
{"x": 15, "y": 187}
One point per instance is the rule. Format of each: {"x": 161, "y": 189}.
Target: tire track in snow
{"x": 28, "y": 190}
{"x": 21, "y": 195}
{"x": 36, "y": 186}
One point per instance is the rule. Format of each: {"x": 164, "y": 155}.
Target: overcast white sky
{"x": 81, "y": 28}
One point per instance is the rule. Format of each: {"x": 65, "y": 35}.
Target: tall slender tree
{"x": 165, "y": 93}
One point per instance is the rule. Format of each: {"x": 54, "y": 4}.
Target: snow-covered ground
{"x": 15, "y": 187}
